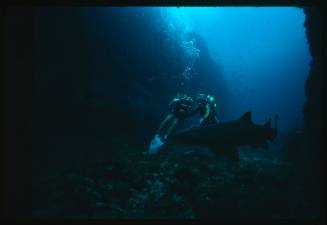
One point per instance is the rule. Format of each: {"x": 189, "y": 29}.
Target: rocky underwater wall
{"x": 312, "y": 107}
{"x": 111, "y": 71}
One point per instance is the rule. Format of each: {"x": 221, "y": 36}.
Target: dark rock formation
{"x": 312, "y": 107}
{"x": 108, "y": 71}
{"x": 303, "y": 146}
{"x": 17, "y": 85}
{"x": 184, "y": 183}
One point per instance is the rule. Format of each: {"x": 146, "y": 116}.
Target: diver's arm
{"x": 207, "y": 112}
{"x": 215, "y": 112}
{"x": 172, "y": 103}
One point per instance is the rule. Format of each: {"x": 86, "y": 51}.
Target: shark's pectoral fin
{"x": 246, "y": 118}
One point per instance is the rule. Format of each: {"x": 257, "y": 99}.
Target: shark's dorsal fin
{"x": 268, "y": 123}
{"x": 246, "y": 118}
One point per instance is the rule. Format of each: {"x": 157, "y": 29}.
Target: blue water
{"x": 262, "y": 52}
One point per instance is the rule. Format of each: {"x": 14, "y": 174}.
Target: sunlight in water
{"x": 262, "y": 52}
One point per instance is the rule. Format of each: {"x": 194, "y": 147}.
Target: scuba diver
{"x": 180, "y": 109}
{"x": 207, "y": 108}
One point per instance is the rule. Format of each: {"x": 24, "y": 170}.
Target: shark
{"x": 225, "y": 137}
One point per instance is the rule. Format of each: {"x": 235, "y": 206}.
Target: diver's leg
{"x": 161, "y": 137}
{"x": 169, "y": 118}
{"x": 171, "y": 127}
{"x": 204, "y": 122}
{"x": 158, "y": 141}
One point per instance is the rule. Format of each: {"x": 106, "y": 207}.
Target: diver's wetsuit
{"x": 211, "y": 118}
{"x": 180, "y": 108}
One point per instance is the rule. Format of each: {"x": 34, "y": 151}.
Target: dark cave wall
{"x": 312, "y": 107}
{"x": 109, "y": 71}
{"x": 303, "y": 146}
{"x": 90, "y": 71}
{"x": 17, "y": 102}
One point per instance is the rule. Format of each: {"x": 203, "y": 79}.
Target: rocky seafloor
{"x": 183, "y": 182}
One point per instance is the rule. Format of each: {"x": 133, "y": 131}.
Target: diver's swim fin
{"x": 155, "y": 144}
